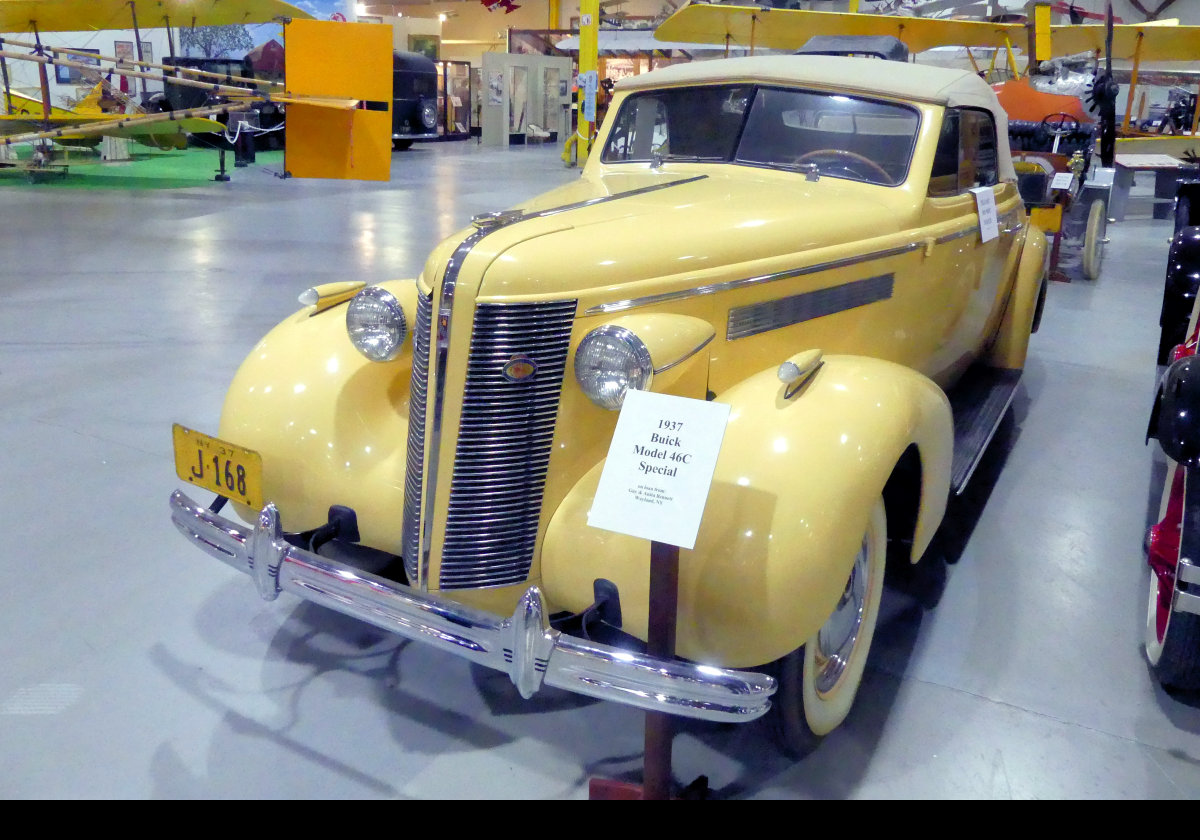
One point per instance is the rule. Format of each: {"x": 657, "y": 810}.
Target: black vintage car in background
{"x": 262, "y": 122}
{"x": 415, "y": 99}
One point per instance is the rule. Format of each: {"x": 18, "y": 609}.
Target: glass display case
{"x": 455, "y": 117}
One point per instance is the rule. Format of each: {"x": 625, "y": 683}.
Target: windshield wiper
{"x": 657, "y": 160}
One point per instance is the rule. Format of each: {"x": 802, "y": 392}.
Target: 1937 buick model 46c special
{"x": 824, "y": 221}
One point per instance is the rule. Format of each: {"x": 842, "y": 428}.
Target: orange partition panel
{"x": 340, "y": 61}
{"x": 328, "y": 143}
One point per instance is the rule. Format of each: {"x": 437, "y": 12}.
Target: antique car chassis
{"x": 792, "y": 236}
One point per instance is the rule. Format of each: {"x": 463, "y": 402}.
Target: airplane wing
{"x": 87, "y": 15}
{"x": 27, "y": 105}
{"x": 319, "y": 102}
{"x": 131, "y": 126}
{"x": 1159, "y": 41}
{"x": 790, "y": 29}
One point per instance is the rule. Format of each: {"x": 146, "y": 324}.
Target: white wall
{"x": 23, "y": 75}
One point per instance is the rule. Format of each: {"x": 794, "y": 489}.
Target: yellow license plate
{"x": 222, "y": 467}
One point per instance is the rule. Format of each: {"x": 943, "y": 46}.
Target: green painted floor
{"x": 149, "y": 169}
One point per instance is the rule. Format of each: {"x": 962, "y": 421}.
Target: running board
{"x": 979, "y": 402}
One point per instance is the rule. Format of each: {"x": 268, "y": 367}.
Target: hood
{"x": 692, "y": 223}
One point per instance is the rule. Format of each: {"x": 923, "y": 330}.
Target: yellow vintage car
{"x": 834, "y": 247}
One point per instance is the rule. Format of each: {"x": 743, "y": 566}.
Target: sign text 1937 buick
{"x": 808, "y": 239}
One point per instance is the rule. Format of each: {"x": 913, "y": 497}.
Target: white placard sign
{"x": 1062, "y": 180}
{"x": 590, "y": 82}
{"x": 989, "y": 223}
{"x": 659, "y": 468}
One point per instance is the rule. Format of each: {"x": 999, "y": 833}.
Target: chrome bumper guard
{"x": 524, "y": 646}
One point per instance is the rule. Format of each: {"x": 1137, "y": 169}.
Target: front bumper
{"x": 524, "y": 646}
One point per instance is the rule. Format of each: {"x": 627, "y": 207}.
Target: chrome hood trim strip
{"x": 713, "y": 288}
{"x": 1008, "y": 219}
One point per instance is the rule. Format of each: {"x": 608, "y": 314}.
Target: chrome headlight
{"x": 429, "y": 115}
{"x": 611, "y": 360}
{"x": 376, "y": 324}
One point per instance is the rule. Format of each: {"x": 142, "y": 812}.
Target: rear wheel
{"x": 1172, "y": 638}
{"x": 819, "y": 681}
{"x": 401, "y": 145}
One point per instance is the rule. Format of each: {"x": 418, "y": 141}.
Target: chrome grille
{"x": 504, "y": 443}
{"x": 416, "y": 438}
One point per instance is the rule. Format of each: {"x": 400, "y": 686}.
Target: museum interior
{"x": 612, "y": 402}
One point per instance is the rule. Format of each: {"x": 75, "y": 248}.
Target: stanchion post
{"x": 660, "y": 643}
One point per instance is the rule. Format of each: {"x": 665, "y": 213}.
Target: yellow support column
{"x": 589, "y": 81}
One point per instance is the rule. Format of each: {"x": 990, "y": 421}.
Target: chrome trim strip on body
{"x": 714, "y": 288}
{"x": 441, "y": 344}
{"x": 685, "y": 356}
{"x": 523, "y": 645}
{"x": 757, "y": 318}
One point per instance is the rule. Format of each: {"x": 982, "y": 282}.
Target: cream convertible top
{"x": 870, "y": 77}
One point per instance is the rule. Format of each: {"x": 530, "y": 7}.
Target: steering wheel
{"x": 852, "y": 157}
{"x": 1056, "y": 125}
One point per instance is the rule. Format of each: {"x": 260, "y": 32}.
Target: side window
{"x": 978, "y": 166}
{"x": 966, "y": 153}
{"x": 943, "y": 180}
{"x": 640, "y": 129}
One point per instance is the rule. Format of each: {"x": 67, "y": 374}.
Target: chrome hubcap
{"x": 837, "y": 638}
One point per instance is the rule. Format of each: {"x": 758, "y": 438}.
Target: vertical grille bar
{"x": 504, "y": 441}
{"x": 415, "y": 465}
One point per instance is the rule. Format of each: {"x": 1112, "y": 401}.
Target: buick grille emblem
{"x": 519, "y": 368}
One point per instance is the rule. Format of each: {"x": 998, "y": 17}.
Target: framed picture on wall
{"x": 426, "y": 45}
{"x": 72, "y": 75}
{"x": 125, "y": 54}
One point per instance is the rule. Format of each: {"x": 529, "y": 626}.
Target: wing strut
{"x": 8, "y": 106}
{"x": 1133, "y": 76}
{"x": 137, "y": 41}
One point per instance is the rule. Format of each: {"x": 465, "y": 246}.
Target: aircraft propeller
{"x": 1102, "y": 95}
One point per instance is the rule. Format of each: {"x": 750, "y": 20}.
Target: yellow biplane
{"x": 337, "y": 86}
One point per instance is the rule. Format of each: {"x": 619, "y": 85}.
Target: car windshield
{"x": 832, "y": 134}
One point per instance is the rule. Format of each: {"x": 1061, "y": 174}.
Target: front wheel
{"x": 819, "y": 681}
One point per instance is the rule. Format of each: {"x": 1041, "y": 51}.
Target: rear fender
{"x": 1011, "y": 342}
{"x": 791, "y": 495}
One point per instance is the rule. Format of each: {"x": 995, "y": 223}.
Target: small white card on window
{"x": 989, "y": 223}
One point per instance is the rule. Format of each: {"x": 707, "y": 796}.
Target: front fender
{"x": 330, "y": 425}
{"x": 793, "y": 488}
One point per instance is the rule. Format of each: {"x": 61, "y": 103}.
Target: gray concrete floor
{"x": 136, "y": 667}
